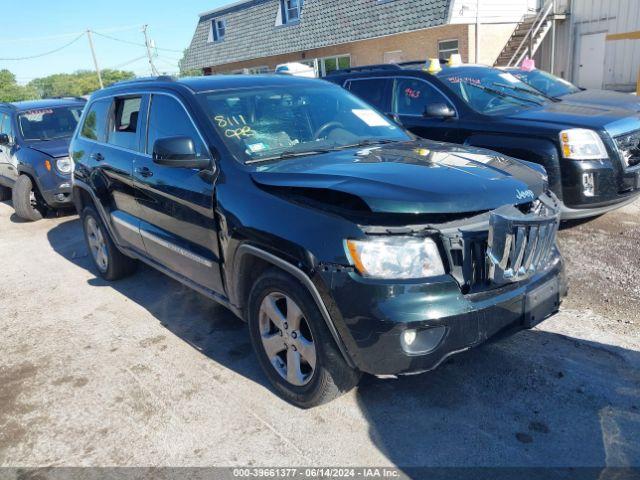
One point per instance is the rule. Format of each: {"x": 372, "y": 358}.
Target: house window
{"x": 218, "y": 28}
{"x": 258, "y": 70}
{"x": 446, "y": 48}
{"x": 291, "y": 10}
{"x": 330, "y": 64}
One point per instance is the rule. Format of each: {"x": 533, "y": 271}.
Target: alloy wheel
{"x": 33, "y": 201}
{"x": 97, "y": 244}
{"x": 287, "y": 339}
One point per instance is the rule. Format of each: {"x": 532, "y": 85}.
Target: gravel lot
{"x": 147, "y": 372}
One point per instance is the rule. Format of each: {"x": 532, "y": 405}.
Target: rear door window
{"x": 124, "y": 122}
{"x": 411, "y": 96}
{"x": 371, "y": 90}
{"x": 94, "y": 126}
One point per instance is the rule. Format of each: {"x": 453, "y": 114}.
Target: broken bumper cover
{"x": 375, "y": 316}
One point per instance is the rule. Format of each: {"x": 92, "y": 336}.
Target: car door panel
{"x": 112, "y": 177}
{"x": 176, "y": 205}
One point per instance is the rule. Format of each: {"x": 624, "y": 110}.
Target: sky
{"x": 32, "y": 27}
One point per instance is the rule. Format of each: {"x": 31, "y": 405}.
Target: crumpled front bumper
{"x": 373, "y": 315}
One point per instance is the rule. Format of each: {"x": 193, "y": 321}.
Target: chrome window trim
{"x": 149, "y": 92}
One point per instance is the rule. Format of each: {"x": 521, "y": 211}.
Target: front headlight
{"x": 395, "y": 257}
{"x": 64, "y": 165}
{"x": 582, "y": 144}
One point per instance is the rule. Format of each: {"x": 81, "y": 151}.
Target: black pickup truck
{"x": 591, "y": 153}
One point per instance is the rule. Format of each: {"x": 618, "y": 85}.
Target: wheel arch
{"x": 251, "y": 261}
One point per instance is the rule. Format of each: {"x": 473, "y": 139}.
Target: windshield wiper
{"x": 368, "y": 142}
{"x": 531, "y": 91}
{"x": 301, "y": 153}
{"x": 500, "y": 93}
{"x": 289, "y": 154}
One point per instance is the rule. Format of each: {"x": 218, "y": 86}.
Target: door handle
{"x": 144, "y": 172}
{"x": 98, "y": 157}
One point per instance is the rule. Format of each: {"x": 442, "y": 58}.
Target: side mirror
{"x": 4, "y": 139}
{"x": 178, "y": 152}
{"x": 439, "y": 110}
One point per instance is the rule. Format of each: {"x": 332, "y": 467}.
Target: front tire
{"x": 293, "y": 344}
{"x": 27, "y": 201}
{"x": 109, "y": 261}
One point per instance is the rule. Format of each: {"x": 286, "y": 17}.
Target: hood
{"x": 412, "y": 177}
{"x": 605, "y": 98}
{"x": 565, "y": 114}
{"x": 54, "y": 148}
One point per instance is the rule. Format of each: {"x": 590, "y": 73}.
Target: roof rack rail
{"x": 160, "y": 78}
{"x": 65, "y": 97}
{"x": 366, "y": 68}
{"x": 8, "y": 105}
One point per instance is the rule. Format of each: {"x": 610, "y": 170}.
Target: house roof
{"x": 251, "y": 30}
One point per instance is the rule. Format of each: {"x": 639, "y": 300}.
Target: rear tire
{"x": 5, "y": 193}
{"x": 27, "y": 201}
{"x": 293, "y": 344}
{"x": 110, "y": 262}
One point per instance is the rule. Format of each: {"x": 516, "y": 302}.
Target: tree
{"x": 188, "y": 72}
{"x": 82, "y": 82}
{"x": 10, "y": 91}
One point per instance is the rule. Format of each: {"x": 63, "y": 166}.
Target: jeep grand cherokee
{"x": 348, "y": 245}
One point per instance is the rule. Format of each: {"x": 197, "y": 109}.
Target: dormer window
{"x": 291, "y": 10}
{"x": 218, "y": 28}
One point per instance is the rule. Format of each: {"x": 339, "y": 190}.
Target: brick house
{"x": 253, "y": 36}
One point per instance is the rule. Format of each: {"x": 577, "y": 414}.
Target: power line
{"x": 128, "y": 62}
{"x": 115, "y": 39}
{"x": 50, "y": 52}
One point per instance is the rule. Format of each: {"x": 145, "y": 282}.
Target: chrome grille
{"x": 629, "y": 148}
{"x": 510, "y": 245}
{"x": 517, "y": 248}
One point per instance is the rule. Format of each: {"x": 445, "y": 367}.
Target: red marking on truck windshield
{"x": 34, "y": 113}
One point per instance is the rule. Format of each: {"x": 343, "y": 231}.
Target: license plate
{"x": 541, "y": 302}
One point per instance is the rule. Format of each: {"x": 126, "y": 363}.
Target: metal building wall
{"x": 616, "y": 18}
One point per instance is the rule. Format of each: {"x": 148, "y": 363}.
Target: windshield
{"x": 266, "y": 123}
{"x": 545, "y": 82}
{"x": 49, "y": 123}
{"x": 490, "y": 91}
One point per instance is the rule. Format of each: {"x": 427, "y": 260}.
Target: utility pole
{"x": 148, "y": 45}
{"x": 95, "y": 59}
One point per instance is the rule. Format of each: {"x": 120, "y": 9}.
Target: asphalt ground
{"x": 145, "y": 372}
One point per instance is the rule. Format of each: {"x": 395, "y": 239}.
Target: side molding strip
{"x": 194, "y": 257}
{"x": 306, "y": 281}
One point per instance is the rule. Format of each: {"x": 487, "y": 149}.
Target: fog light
{"x": 61, "y": 197}
{"x": 421, "y": 341}
{"x": 588, "y": 184}
{"x": 409, "y": 336}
